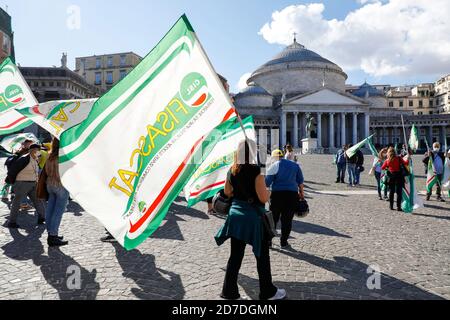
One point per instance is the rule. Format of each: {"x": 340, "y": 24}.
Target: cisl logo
{"x": 194, "y": 90}
{"x": 12, "y": 96}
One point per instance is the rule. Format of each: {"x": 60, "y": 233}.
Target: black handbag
{"x": 302, "y": 208}
{"x": 221, "y": 203}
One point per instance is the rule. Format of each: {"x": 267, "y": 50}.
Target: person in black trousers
{"x": 396, "y": 179}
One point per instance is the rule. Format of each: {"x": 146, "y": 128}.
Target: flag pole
{"x": 404, "y": 134}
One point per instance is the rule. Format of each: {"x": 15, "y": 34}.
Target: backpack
{"x": 10, "y": 160}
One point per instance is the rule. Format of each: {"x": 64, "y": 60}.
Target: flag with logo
{"x": 372, "y": 148}
{"x": 410, "y": 199}
{"x": 352, "y": 151}
{"x": 131, "y": 157}
{"x": 211, "y": 175}
{"x": 58, "y": 116}
{"x": 14, "y": 142}
{"x": 432, "y": 177}
{"x": 14, "y": 94}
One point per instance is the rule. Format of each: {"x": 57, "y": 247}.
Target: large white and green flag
{"x": 143, "y": 140}
{"x": 211, "y": 175}
{"x": 14, "y": 142}
{"x": 351, "y": 151}
{"x": 432, "y": 177}
{"x": 14, "y": 94}
{"x": 58, "y": 116}
{"x": 410, "y": 199}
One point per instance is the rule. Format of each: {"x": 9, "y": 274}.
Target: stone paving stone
{"x": 332, "y": 250}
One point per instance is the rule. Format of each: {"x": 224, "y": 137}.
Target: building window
{"x": 51, "y": 84}
{"x": 420, "y": 113}
{"x": 401, "y": 104}
{"x": 98, "y": 78}
{"x": 109, "y": 77}
{"x": 110, "y": 62}
{"x": 6, "y": 46}
{"x": 43, "y": 84}
{"x": 391, "y": 103}
{"x": 431, "y": 112}
{"x": 411, "y": 103}
{"x": 98, "y": 63}
{"x": 123, "y": 74}
{"x": 123, "y": 60}
{"x": 431, "y": 103}
{"x": 420, "y": 104}
{"x": 58, "y": 84}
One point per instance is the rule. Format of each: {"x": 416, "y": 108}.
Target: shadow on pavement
{"x": 154, "y": 283}
{"x": 171, "y": 230}
{"x": 75, "y": 208}
{"x": 354, "y": 286}
{"x": 431, "y": 216}
{"x": 304, "y": 227}
{"x": 55, "y": 266}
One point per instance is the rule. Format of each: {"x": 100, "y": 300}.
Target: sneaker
{"x": 40, "y": 221}
{"x": 108, "y": 238}
{"x": 13, "y": 225}
{"x": 440, "y": 199}
{"x": 381, "y": 198}
{"x": 280, "y": 295}
{"x": 338, "y": 181}
{"x": 399, "y": 209}
{"x": 428, "y": 197}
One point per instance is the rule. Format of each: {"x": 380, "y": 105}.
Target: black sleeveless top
{"x": 244, "y": 183}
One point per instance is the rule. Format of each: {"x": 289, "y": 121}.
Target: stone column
{"x": 331, "y": 127}
{"x": 430, "y": 135}
{"x": 366, "y": 125}
{"x": 302, "y": 126}
{"x": 442, "y": 137}
{"x": 274, "y": 138}
{"x": 355, "y": 128}
{"x": 295, "y": 142}
{"x": 343, "y": 128}
{"x": 283, "y": 128}
{"x": 383, "y": 137}
{"x": 319, "y": 130}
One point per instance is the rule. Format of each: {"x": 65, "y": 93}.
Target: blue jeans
{"x": 351, "y": 168}
{"x": 341, "y": 172}
{"x": 357, "y": 175}
{"x": 57, "y": 202}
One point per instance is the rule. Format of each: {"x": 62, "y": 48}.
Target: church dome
{"x": 253, "y": 96}
{"x": 366, "y": 91}
{"x": 253, "y": 90}
{"x": 298, "y": 70}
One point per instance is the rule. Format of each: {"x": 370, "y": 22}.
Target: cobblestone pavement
{"x": 333, "y": 248}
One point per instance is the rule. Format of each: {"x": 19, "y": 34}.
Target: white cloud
{"x": 242, "y": 83}
{"x": 382, "y": 38}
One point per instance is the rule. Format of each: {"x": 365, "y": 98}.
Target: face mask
{"x": 436, "y": 149}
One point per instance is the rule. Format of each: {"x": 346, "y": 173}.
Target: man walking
{"x": 341, "y": 163}
{"x": 438, "y": 159}
{"x": 359, "y": 166}
{"x": 285, "y": 179}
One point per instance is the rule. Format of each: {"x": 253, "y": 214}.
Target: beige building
{"x": 105, "y": 71}
{"x": 442, "y": 94}
{"x": 6, "y": 36}
{"x": 417, "y": 99}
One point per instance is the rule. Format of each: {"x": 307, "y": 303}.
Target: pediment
{"x": 325, "y": 97}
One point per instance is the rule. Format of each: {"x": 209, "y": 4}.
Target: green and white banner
{"x": 13, "y": 143}
{"x": 414, "y": 139}
{"x": 211, "y": 175}
{"x": 14, "y": 94}
{"x": 58, "y": 116}
{"x": 410, "y": 199}
{"x": 351, "y": 152}
{"x": 143, "y": 140}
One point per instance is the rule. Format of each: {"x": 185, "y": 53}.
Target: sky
{"x": 379, "y": 41}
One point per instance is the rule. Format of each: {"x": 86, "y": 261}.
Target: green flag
{"x": 351, "y": 152}
{"x": 414, "y": 139}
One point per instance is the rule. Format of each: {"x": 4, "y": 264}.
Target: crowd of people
{"x": 33, "y": 173}
{"x": 390, "y": 168}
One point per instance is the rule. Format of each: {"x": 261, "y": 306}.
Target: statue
{"x": 309, "y": 125}
{"x": 64, "y": 60}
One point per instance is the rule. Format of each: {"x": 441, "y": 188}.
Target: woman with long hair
{"x": 376, "y": 169}
{"x": 58, "y": 197}
{"x": 394, "y": 165}
{"x": 244, "y": 224}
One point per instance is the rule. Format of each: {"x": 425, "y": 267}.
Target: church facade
{"x": 298, "y": 84}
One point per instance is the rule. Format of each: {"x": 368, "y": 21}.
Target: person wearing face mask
{"x": 23, "y": 174}
{"x": 438, "y": 159}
